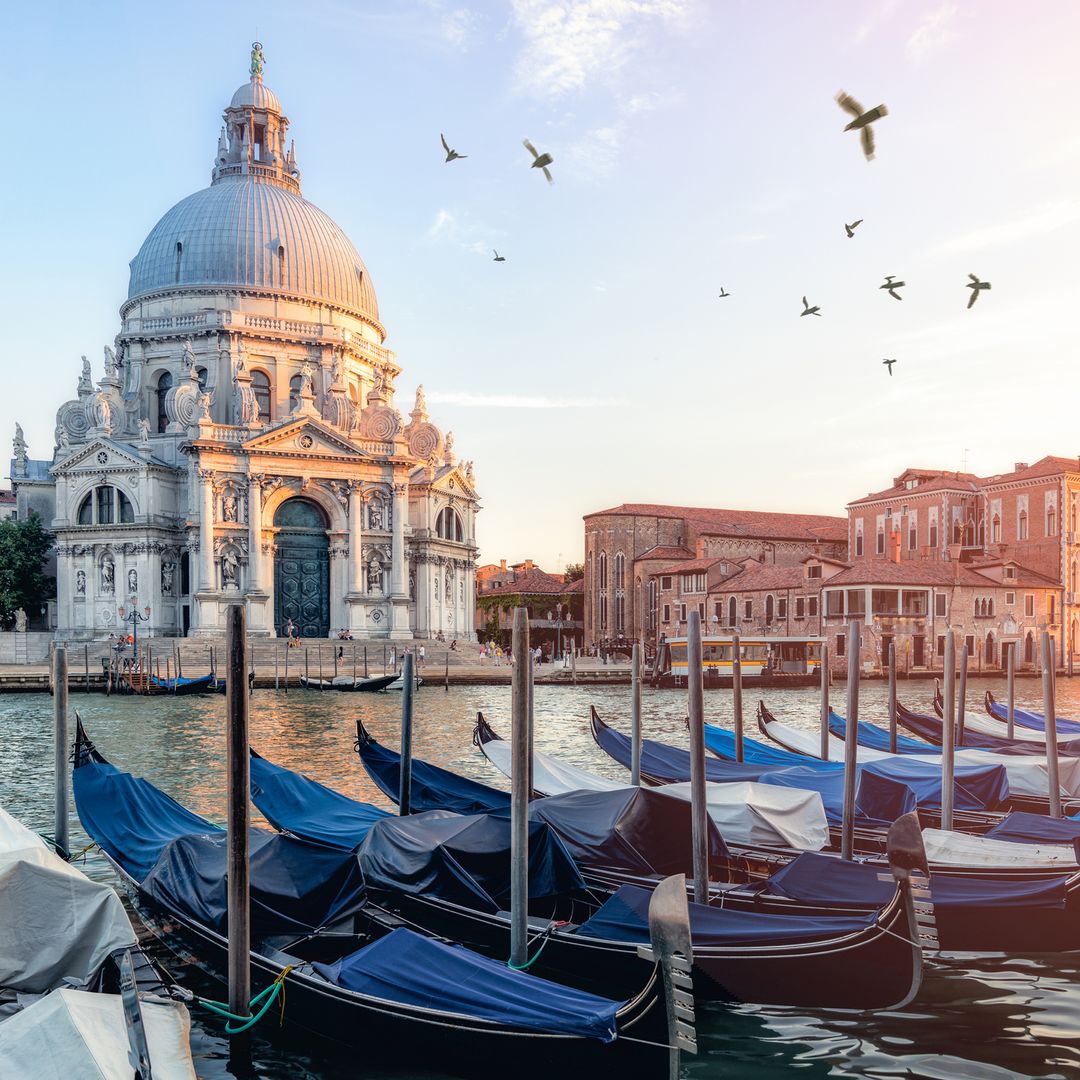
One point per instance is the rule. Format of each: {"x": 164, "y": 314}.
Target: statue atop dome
{"x": 258, "y": 60}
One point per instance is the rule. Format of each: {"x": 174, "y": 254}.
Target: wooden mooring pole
{"x": 892, "y": 697}
{"x": 1011, "y": 714}
{"x": 405, "y": 782}
{"x": 1050, "y": 714}
{"x": 86, "y": 666}
{"x": 698, "y": 805}
{"x": 736, "y": 692}
{"x": 519, "y": 792}
{"x": 948, "y": 731}
{"x": 961, "y": 697}
{"x": 60, "y": 748}
{"x": 824, "y": 721}
{"x": 847, "y": 825}
{"x": 238, "y": 821}
{"x": 635, "y": 717}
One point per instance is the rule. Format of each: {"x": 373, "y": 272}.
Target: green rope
{"x": 57, "y": 845}
{"x": 270, "y": 993}
{"x": 535, "y": 956}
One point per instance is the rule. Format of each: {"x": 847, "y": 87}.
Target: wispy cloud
{"x": 933, "y": 31}
{"x": 874, "y": 17}
{"x": 450, "y": 228}
{"x": 596, "y": 153}
{"x": 1046, "y": 218}
{"x": 519, "y": 401}
{"x": 457, "y": 26}
{"x": 569, "y": 43}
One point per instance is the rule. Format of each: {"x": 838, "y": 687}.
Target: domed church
{"x": 243, "y": 443}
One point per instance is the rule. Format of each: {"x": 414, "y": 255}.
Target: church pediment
{"x": 453, "y": 480}
{"x": 304, "y": 437}
{"x": 103, "y": 454}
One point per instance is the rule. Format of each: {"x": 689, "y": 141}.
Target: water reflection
{"x": 976, "y": 1017}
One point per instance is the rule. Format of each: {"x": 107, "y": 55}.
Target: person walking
{"x": 420, "y": 655}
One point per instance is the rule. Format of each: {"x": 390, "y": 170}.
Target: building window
{"x": 665, "y": 583}
{"x": 201, "y": 376}
{"x": 682, "y": 612}
{"x": 856, "y": 601}
{"x": 652, "y": 606}
{"x": 969, "y": 644}
{"x": 912, "y": 538}
{"x": 995, "y": 530}
{"x": 881, "y": 541}
{"x": 914, "y": 603}
{"x": 1029, "y": 649}
{"x": 718, "y": 610}
{"x": 693, "y": 583}
{"x": 813, "y": 570}
{"x": 164, "y": 385}
{"x": 732, "y": 611}
{"x": 858, "y": 543}
{"x": 800, "y": 607}
{"x": 601, "y": 585}
{"x": 86, "y": 510}
{"x": 1051, "y": 521}
{"x": 701, "y": 610}
{"x": 106, "y": 506}
{"x": 1029, "y": 605}
{"x": 885, "y": 602}
{"x": 1022, "y": 526}
{"x": 781, "y": 608}
{"x": 1009, "y": 573}
{"x": 667, "y": 614}
{"x": 1010, "y": 599}
{"x": 841, "y": 643}
{"x": 941, "y": 644}
{"x": 768, "y": 610}
{"x": 748, "y": 609}
{"x": 1050, "y": 609}
{"x": 811, "y": 607}
{"x": 260, "y": 387}
{"x": 834, "y": 603}
{"x": 448, "y": 525}
{"x": 294, "y": 392}
{"x": 179, "y": 261}
{"x": 940, "y": 605}
{"x": 620, "y": 593}
{"x": 933, "y": 534}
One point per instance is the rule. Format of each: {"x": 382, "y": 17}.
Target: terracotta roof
{"x": 662, "y": 552}
{"x": 7, "y": 497}
{"x": 1047, "y": 466}
{"x": 532, "y": 581}
{"x": 689, "y": 567}
{"x": 755, "y": 523}
{"x": 929, "y": 572}
{"x": 758, "y": 577}
{"x": 939, "y": 481}
{"x": 576, "y": 586}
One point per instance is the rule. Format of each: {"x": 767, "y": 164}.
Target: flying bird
{"x": 976, "y": 287}
{"x": 850, "y": 229}
{"x": 723, "y": 292}
{"x": 451, "y": 155}
{"x": 498, "y": 257}
{"x": 863, "y": 120}
{"x": 540, "y": 161}
{"x": 808, "y": 310}
{"x": 892, "y": 286}
{"x": 889, "y": 364}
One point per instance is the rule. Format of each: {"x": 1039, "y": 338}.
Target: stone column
{"x": 398, "y": 571}
{"x": 356, "y": 539}
{"x": 256, "y": 582}
{"x": 207, "y": 577}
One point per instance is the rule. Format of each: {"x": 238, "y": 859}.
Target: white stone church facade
{"x": 243, "y": 443}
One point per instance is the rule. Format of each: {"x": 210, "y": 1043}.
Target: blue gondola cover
{"x": 464, "y": 860}
{"x": 625, "y": 917}
{"x": 1024, "y": 828}
{"x": 877, "y": 738}
{"x": 413, "y": 970}
{"x": 1032, "y": 720}
{"x": 294, "y": 803}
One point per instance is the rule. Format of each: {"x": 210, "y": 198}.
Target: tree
{"x": 574, "y": 572}
{"x": 23, "y": 583}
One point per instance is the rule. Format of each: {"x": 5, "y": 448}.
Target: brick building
{"x": 630, "y": 550}
{"x": 554, "y": 605}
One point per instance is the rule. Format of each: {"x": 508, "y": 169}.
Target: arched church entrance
{"x": 301, "y": 569}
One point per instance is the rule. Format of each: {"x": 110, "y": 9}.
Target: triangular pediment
{"x": 451, "y": 480}
{"x": 303, "y": 437}
{"x": 103, "y": 454}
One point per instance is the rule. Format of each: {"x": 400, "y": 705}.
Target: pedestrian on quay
{"x": 420, "y": 655}
{"x": 483, "y": 652}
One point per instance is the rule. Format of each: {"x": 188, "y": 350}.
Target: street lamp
{"x": 134, "y": 616}
{"x": 558, "y": 630}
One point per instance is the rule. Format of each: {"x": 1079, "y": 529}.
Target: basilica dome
{"x": 252, "y": 228}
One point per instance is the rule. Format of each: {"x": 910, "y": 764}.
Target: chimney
{"x": 1017, "y": 466}
{"x": 528, "y": 564}
{"x": 502, "y": 565}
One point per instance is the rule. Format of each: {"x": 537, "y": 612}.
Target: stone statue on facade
{"x": 337, "y": 370}
{"x": 20, "y": 621}
{"x": 202, "y": 407}
{"x": 375, "y": 516}
{"x": 168, "y": 569}
{"x": 133, "y": 582}
{"x": 110, "y": 363}
{"x": 469, "y": 474}
{"x": 19, "y": 445}
{"x": 258, "y": 60}
{"x": 144, "y": 431}
{"x": 228, "y": 508}
{"x": 108, "y": 583}
{"x": 306, "y": 382}
{"x": 188, "y": 354}
{"x": 86, "y": 379}
{"x": 448, "y": 448}
{"x": 374, "y": 576}
{"x": 230, "y": 570}
{"x": 420, "y": 405}
{"x": 80, "y": 582}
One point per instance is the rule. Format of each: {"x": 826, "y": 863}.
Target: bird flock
{"x": 540, "y": 161}
{"x": 863, "y": 122}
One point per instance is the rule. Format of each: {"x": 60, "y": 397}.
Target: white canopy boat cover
{"x": 1027, "y": 775}
{"x": 745, "y": 813}
{"x": 987, "y": 725}
{"x": 56, "y": 925}
{"x": 966, "y": 849}
{"x": 72, "y": 1035}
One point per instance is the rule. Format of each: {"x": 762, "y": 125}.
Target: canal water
{"x": 979, "y": 1017}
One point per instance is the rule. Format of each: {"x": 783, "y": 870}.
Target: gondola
{"x": 1021, "y": 909}
{"x": 1026, "y": 719}
{"x": 201, "y": 684}
{"x": 348, "y": 683}
{"x": 986, "y": 733}
{"x": 874, "y": 737}
{"x": 1027, "y": 777}
{"x": 73, "y": 977}
{"x": 351, "y": 976}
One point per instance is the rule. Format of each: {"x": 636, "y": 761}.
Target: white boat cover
{"x": 965, "y": 849}
{"x": 73, "y": 1035}
{"x": 761, "y": 815}
{"x": 56, "y": 925}
{"x": 756, "y": 814}
{"x": 1027, "y": 775}
{"x": 987, "y": 725}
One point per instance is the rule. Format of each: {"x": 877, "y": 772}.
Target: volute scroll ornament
{"x": 425, "y": 441}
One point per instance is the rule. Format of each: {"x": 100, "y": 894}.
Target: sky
{"x": 697, "y": 146}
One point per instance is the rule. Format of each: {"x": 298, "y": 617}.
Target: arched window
{"x": 200, "y": 374}
{"x": 106, "y": 505}
{"x": 1029, "y": 649}
{"x": 164, "y": 385}
{"x": 448, "y": 525}
{"x": 86, "y": 510}
{"x": 620, "y": 593}
{"x": 601, "y": 582}
{"x": 1051, "y": 521}
{"x": 995, "y": 530}
{"x": 768, "y": 610}
{"x": 281, "y": 264}
{"x": 126, "y": 514}
{"x": 732, "y": 611}
{"x": 1022, "y": 525}
{"x": 260, "y": 387}
{"x": 179, "y": 260}
{"x": 294, "y": 392}
{"x": 988, "y": 650}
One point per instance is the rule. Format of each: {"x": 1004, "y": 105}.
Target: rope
{"x": 267, "y": 997}
{"x": 546, "y": 935}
